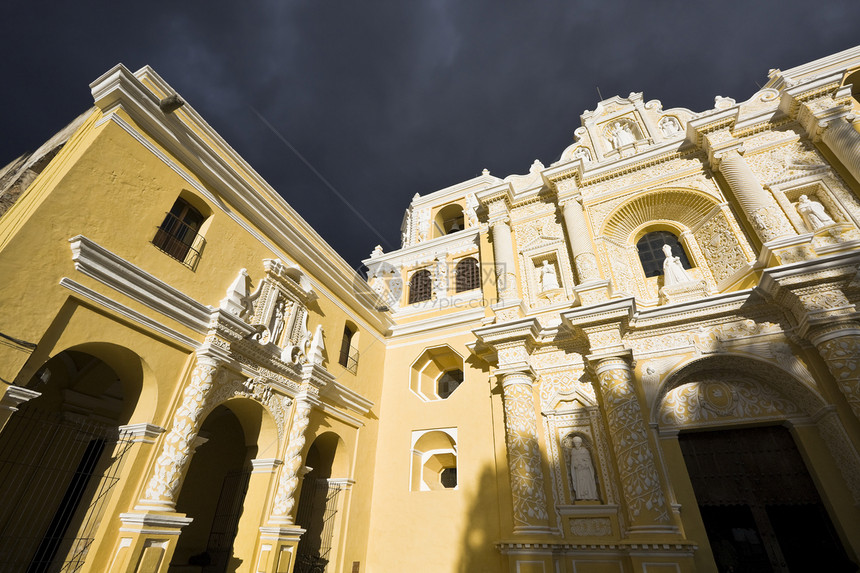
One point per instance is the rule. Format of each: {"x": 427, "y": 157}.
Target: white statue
{"x": 813, "y": 214}
{"x": 277, "y": 321}
{"x": 582, "y": 153}
{"x": 621, "y": 135}
{"x": 670, "y": 126}
{"x": 548, "y": 277}
{"x": 673, "y": 270}
{"x": 582, "y": 472}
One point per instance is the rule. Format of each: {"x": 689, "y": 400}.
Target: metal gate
{"x": 316, "y": 513}
{"x": 57, "y": 472}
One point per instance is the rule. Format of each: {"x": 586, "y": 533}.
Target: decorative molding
{"x": 128, "y": 313}
{"x": 113, "y": 271}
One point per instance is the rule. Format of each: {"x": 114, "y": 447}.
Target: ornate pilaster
{"x": 178, "y": 444}
{"x": 580, "y": 241}
{"x": 524, "y": 459}
{"x": 640, "y": 482}
{"x": 844, "y": 141}
{"x": 839, "y": 345}
{"x": 285, "y": 497}
{"x": 762, "y": 211}
{"x": 642, "y": 489}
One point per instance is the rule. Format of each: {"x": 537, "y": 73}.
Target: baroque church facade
{"x": 644, "y": 357}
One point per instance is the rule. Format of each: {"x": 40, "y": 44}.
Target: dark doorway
{"x": 759, "y": 505}
{"x": 60, "y": 460}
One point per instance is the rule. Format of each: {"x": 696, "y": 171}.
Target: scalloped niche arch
{"x": 436, "y": 373}
{"x": 683, "y": 207}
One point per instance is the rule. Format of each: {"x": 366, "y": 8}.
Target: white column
{"x": 766, "y": 216}
{"x": 524, "y": 460}
{"x": 503, "y": 253}
{"x": 844, "y": 141}
{"x": 580, "y": 242}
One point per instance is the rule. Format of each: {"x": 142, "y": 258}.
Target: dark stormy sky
{"x": 389, "y": 99}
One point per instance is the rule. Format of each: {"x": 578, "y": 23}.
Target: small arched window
{"x": 420, "y": 287}
{"x": 651, "y": 255}
{"x": 348, "y": 349}
{"x": 468, "y": 275}
{"x": 449, "y": 220}
{"x": 179, "y": 234}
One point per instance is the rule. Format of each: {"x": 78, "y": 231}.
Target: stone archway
{"x": 215, "y": 490}
{"x": 61, "y": 455}
{"x": 728, "y": 422}
{"x": 320, "y": 502}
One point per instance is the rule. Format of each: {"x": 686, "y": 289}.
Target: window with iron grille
{"x": 651, "y": 255}
{"x": 348, "y": 352}
{"x": 468, "y": 275}
{"x": 420, "y": 287}
{"x": 178, "y": 235}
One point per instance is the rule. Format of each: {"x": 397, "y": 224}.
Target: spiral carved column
{"x": 177, "y": 447}
{"x": 643, "y": 493}
{"x": 766, "y": 216}
{"x": 285, "y": 497}
{"x": 524, "y": 459}
{"x": 844, "y": 141}
{"x": 580, "y": 242}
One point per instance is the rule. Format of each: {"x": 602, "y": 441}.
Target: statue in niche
{"x": 813, "y": 213}
{"x": 581, "y": 471}
{"x": 670, "y": 126}
{"x": 548, "y": 277}
{"x": 277, "y": 321}
{"x": 582, "y": 153}
{"x": 621, "y": 135}
{"x": 673, "y": 270}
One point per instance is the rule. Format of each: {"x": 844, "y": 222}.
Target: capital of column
{"x": 15, "y": 396}
{"x": 512, "y": 377}
{"x": 844, "y": 140}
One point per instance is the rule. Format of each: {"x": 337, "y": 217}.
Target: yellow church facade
{"x": 644, "y": 357}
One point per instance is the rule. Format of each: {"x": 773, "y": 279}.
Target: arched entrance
{"x": 213, "y": 493}
{"x": 320, "y": 500}
{"x": 215, "y": 489}
{"x": 61, "y": 455}
{"x": 757, "y": 503}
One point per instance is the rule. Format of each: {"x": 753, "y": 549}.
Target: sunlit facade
{"x": 644, "y": 357}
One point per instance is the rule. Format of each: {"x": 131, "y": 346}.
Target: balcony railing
{"x": 180, "y": 241}
{"x": 349, "y": 359}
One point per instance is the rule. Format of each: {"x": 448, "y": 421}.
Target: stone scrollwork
{"x": 289, "y": 480}
{"x": 842, "y": 356}
{"x": 720, "y": 247}
{"x": 640, "y": 482}
{"x": 591, "y": 526}
{"x": 524, "y": 458}
{"x": 718, "y": 400}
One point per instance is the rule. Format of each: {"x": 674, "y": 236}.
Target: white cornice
{"x": 122, "y": 276}
{"x": 446, "y": 321}
{"x": 426, "y": 250}
{"x": 130, "y": 314}
{"x": 119, "y": 88}
{"x": 840, "y": 60}
{"x": 455, "y": 191}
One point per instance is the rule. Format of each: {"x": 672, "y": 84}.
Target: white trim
{"x": 179, "y": 134}
{"x": 346, "y": 398}
{"x": 128, "y": 313}
{"x": 452, "y": 320}
{"x": 142, "y": 433}
{"x": 126, "y": 278}
{"x": 265, "y": 465}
